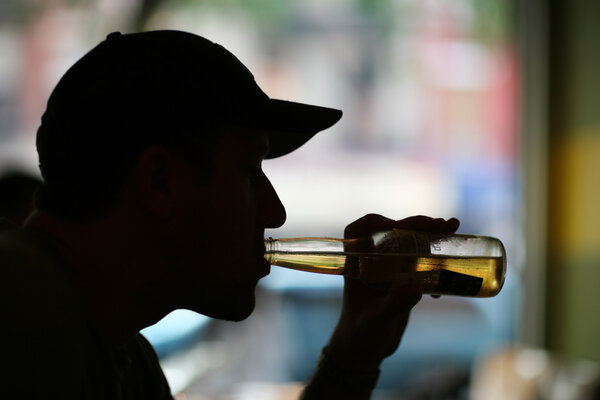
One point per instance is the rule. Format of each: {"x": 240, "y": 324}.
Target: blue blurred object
{"x": 177, "y": 331}
{"x": 444, "y": 335}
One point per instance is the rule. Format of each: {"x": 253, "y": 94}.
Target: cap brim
{"x": 291, "y": 124}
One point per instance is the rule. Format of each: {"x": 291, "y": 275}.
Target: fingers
{"x": 368, "y": 224}
{"x": 423, "y": 223}
{"x": 452, "y": 225}
{"x": 374, "y": 222}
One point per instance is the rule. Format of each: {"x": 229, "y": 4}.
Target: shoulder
{"x": 32, "y": 279}
{"x": 23, "y": 254}
{"x": 145, "y": 374}
{"x": 42, "y": 322}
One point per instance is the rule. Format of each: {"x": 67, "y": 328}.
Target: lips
{"x": 266, "y": 266}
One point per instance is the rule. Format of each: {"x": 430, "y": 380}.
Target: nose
{"x": 271, "y": 211}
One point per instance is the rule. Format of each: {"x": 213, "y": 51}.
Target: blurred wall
{"x": 573, "y": 295}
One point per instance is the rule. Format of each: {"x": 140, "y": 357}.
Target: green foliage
{"x": 271, "y": 12}
{"x": 494, "y": 20}
{"x": 14, "y": 12}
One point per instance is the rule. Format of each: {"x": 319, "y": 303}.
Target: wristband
{"x": 352, "y": 380}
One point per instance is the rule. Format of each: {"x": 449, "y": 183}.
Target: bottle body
{"x": 448, "y": 264}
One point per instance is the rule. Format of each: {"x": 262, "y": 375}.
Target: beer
{"x": 448, "y": 264}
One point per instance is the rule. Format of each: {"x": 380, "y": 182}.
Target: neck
{"x": 104, "y": 260}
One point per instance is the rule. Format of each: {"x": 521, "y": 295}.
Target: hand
{"x": 373, "y": 321}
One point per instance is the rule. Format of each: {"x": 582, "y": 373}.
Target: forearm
{"x": 334, "y": 381}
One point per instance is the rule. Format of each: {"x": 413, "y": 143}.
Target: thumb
{"x": 403, "y": 295}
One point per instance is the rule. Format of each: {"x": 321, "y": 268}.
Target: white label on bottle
{"x": 405, "y": 242}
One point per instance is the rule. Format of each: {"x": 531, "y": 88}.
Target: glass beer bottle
{"x": 444, "y": 264}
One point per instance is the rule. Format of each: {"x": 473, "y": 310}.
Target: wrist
{"x": 356, "y": 377}
{"x": 352, "y": 353}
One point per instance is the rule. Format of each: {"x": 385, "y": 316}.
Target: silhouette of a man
{"x": 154, "y": 200}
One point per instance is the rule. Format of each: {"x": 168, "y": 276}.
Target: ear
{"x": 155, "y": 175}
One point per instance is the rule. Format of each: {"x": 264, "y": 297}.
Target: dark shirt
{"x": 50, "y": 350}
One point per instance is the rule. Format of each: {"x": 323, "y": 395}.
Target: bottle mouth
{"x": 269, "y": 245}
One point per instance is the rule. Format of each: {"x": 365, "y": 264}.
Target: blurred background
{"x": 485, "y": 110}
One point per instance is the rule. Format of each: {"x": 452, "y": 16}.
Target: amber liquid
{"x": 462, "y": 276}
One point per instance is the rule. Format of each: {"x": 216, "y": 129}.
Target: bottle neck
{"x": 306, "y": 245}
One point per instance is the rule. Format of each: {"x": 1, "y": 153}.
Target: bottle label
{"x": 438, "y": 281}
{"x": 451, "y": 282}
{"x": 404, "y": 242}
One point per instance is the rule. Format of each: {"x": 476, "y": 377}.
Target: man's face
{"x": 224, "y": 228}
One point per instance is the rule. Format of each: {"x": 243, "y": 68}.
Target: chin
{"x": 230, "y": 309}
{"x": 231, "y": 315}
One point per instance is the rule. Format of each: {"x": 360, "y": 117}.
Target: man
{"x": 153, "y": 200}
{"x": 16, "y": 195}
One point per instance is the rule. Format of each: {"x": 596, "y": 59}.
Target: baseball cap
{"x": 133, "y": 89}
